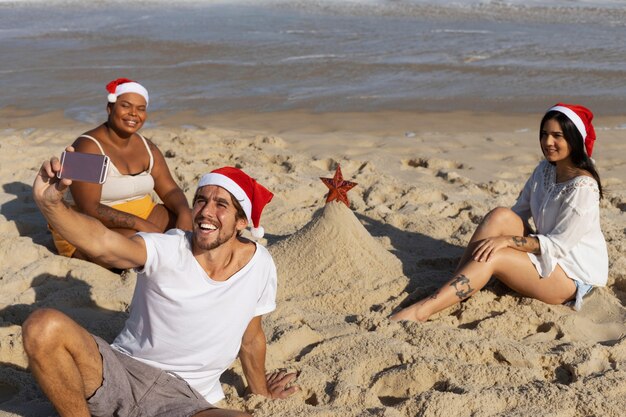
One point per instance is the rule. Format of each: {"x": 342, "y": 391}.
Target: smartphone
{"x": 87, "y": 167}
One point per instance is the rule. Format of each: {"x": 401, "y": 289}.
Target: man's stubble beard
{"x": 217, "y": 243}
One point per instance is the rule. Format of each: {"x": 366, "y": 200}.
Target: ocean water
{"x": 323, "y": 56}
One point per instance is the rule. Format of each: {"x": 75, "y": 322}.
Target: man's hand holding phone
{"x": 48, "y": 188}
{"x": 57, "y": 174}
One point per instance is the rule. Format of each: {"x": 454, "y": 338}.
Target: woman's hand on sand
{"x": 278, "y": 384}
{"x": 486, "y": 248}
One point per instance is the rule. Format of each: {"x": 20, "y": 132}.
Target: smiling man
{"x": 197, "y": 305}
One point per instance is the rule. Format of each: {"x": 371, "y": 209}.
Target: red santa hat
{"x": 122, "y": 86}
{"x": 251, "y": 195}
{"x": 581, "y": 117}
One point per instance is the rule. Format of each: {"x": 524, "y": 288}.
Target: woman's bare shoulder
{"x": 85, "y": 143}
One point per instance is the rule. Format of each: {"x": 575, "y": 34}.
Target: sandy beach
{"x": 424, "y": 182}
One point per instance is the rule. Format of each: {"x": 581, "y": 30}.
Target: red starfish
{"x": 338, "y": 187}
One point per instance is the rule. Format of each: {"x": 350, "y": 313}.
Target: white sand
{"x": 424, "y": 182}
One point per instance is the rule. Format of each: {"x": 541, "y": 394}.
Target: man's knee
{"x": 41, "y": 329}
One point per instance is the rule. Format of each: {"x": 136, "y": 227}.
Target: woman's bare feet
{"x": 410, "y": 313}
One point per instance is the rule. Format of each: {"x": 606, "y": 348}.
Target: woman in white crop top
{"x": 137, "y": 167}
{"x": 566, "y": 255}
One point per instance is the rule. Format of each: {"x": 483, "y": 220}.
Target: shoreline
{"x": 300, "y": 120}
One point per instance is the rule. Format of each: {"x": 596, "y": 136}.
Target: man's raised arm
{"x": 84, "y": 232}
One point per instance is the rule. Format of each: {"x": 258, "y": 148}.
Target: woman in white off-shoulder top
{"x": 566, "y": 255}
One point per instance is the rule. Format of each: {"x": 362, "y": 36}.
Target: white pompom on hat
{"x": 581, "y": 117}
{"x": 122, "y": 86}
{"x": 251, "y": 195}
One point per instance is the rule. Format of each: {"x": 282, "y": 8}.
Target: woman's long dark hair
{"x": 576, "y": 144}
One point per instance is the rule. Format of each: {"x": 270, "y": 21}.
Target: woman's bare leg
{"x": 64, "y": 359}
{"x": 162, "y": 217}
{"x": 500, "y": 221}
{"x": 510, "y": 266}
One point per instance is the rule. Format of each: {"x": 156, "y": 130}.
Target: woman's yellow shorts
{"x": 142, "y": 207}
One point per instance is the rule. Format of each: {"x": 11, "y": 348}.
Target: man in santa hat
{"x": 197, "y": 305}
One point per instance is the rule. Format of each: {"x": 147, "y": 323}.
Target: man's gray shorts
{"x": 133, "y": 389}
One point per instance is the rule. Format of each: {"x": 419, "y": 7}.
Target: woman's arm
{"x": 575, "y": 216}
{"x": 526, "y": 244}
{"x": 487, "y": 247}
{"x": 168, "y": 191}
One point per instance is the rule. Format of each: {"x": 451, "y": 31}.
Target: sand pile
{"x": 333, "y": 265}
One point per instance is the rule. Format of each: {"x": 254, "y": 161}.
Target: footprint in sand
{"x": 295, "y": 344}
{"x": 400, "y": 383}
{"x": 326, "y": 164}
{"x": 431, "y": 163}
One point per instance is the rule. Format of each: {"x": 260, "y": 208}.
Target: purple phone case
{"x": 85, "y": 167}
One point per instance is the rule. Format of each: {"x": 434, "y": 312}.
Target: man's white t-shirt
{"x": 184, "y": 322}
